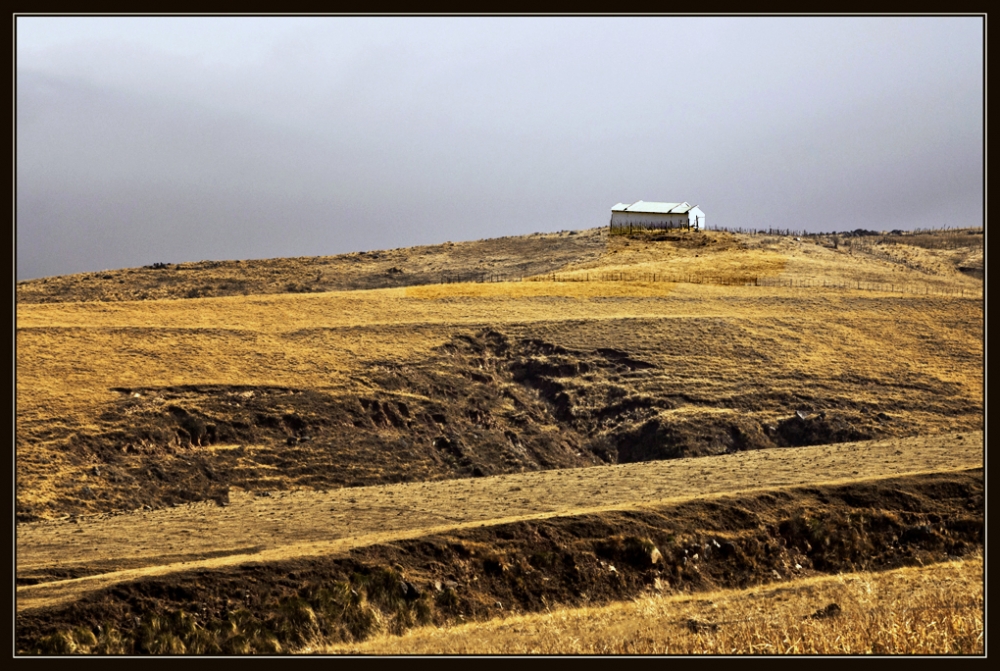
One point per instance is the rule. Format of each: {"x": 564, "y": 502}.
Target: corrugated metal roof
{"x": 657, "y": 208}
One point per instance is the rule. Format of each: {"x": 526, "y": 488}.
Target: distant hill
{"x": 495, "y": 259}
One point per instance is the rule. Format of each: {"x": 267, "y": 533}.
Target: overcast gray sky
{"x": 181, "y": 139}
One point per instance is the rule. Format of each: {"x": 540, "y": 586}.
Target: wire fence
{"x": 745, "y": 280}
{"x": 454, "y": 278}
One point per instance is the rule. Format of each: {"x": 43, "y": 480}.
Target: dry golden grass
{"x": 308, "y": 523}
{"x": 706, "y": 256}
{"x": 922, "y": 356}
{"x": 718, "y": 257}
{"x": 930, "y": 610}
{"x": 509, "y": 257}
{"x": 568, "y": 289}
{"x": 914, "y": 263}
{"x": 912, "y": 268}
{"x": 711, "y": 356}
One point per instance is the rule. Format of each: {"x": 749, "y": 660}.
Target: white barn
{"x": 657, "y": 215}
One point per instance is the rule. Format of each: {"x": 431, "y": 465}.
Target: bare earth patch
{"x": 105, "y": 549}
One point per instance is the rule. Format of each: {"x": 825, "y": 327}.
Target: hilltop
{"x": 932, "y": 259}
{"x": 509, "y": 258}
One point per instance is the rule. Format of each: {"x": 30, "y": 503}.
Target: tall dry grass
{"x": 918, "y": 357}
{"x": 936, "y": 609}
{"x": 571, "y": 288}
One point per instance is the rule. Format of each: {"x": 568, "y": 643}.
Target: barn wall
{"x": 697, "y": 217}
{"x": 648, "y": 220}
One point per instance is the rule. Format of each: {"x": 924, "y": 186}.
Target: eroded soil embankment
{"x": 483, "y": 403}
{"x": 476, "y": 574}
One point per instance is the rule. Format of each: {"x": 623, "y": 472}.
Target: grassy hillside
{"x": 479, "y": 572}
{"x": 495, "y": 259}
{"x": 436, "y": 417}
{"x": 919, "y": 610}
{"x": 151, "y": 403}
{"x": 917, "y": 261}
{"x": 96, "y": 550}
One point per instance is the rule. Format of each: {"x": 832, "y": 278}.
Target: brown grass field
{"x": 918, "y": 610}
{"x": 203, "y": 419}
{"x": 107, "y": 549}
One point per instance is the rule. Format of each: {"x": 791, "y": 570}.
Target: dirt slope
{"x": 478, "y": 573}
{"x": 161, "y": 402}
{"x": 366, "y": 422}
{"x": 62, "y": 559}
{"x": 929, "y": 610}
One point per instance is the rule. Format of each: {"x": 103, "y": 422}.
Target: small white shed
{"x": 657, "y": 215}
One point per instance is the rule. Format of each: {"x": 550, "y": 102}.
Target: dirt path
{"x": 71, "y": 557}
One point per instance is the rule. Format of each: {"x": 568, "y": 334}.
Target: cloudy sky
{"x": 181, "y": 139}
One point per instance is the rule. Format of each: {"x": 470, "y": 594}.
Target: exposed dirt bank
{"x": 477, "y": 573}
{"x": 482, "y": 403}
